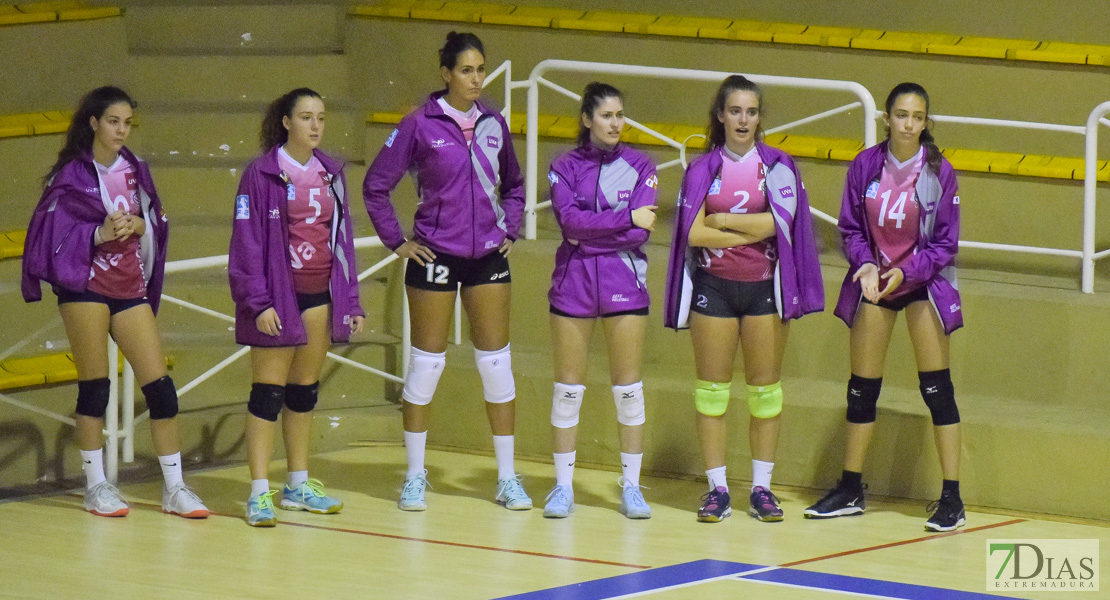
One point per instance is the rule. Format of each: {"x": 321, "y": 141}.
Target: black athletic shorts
{"x": 307, "y": 301}
{"x": 446, "y": 272}
{"x": 115, "y": 305}
{"x": 901, "y": 302}
{"x": 718, "y": 297}
{"x": 643, "y": 312}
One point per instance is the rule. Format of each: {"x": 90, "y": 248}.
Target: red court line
{"x": 902, "y": 543}
{"x": 426, "y": 540}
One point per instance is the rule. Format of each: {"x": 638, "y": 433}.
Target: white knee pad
{"x": 424, "y": 371}
{"x": 566, "y": 403}
{"x": 630, "y": 403}
{"x": 496, "y": 369}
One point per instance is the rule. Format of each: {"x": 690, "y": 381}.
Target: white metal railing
{"x": 536, "y": 78}
{"x": 120, "y": 442}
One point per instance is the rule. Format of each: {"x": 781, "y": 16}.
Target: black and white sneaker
{"x": 948, "y": 513}
{"x": 839, "y": 502}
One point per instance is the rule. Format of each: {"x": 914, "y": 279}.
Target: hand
{"x": 894, "y": 278}
{"x": 573, "y": 242}
{"x": 268, "y": 322}
{"x": 714, "y": 221}
{"x": 414, "y": 251}
{"x": 112, "y": 227}
{"x": 506, "y": 247}
{"x": 868, "y": 277}
{"x": 356, "y": 324}
{"x": 644, "y": 217}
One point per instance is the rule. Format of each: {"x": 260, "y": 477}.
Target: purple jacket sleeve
{"x": 582, "y": 224}
{"x": 512, "y": 184}
{"x": 387, "y": 170}
{"x": 941, "y": 248}
{"x": 352, "y": 269}
{"x": 633, "y": 237}
{"x": 246, "y": 268}
{"x": 855, "y": 244}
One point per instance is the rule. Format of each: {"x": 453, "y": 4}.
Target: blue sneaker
{"x": 633, "y": 504}
{"x": 511, "y": 495}
{"x": 310, "y": 496}
{"x": 560, "y": 502}
{"x": 412, "y": 495}
{"x": 260, "y": 510}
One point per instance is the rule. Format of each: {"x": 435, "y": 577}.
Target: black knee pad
{"x": 161, "y": 398}
{"x": 92, "y": 397}
{"x": 863, "y": 399}
{"x": 301, "y": 398}
{"x": 940, "y": 396}
{"x": 266, "y": 401}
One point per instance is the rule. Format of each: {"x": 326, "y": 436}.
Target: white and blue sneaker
{"x": 310, "y": 496}
{"x": 412, "y": 494}
{"x": 511, "y": 495}
{"x": 560, "y": 502}
{"x": 633, "y": 504}
{"x": 260, "y": 510}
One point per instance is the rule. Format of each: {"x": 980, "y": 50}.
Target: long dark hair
{"x": 715, "y": 133}
{"x": 273, "y": 130}
{"x": 456, "y": 44}
{"x": 592, "y": 97}
{"x": 932, "y": 153}
{"x": 79, "y": 136}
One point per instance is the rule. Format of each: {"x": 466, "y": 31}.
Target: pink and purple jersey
{"x": 739, "y": 189}
{"x": 309, "y": 211}
{"x": 893, "y": 214}
{"x": 466, "y": 120}
{"x": 117, "y": 266}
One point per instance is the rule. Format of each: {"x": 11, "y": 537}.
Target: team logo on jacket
{"x": 624, "y": 195}
{"x": 956, "y": 200}
{"x": 441, "y": 143}
{"x": 715, "y": 188}
{"x": 493, "y": 142}
{"x": 275, "y": 213}
{"x": 325, "y": 177}
{"x": 553, "y": 178}
{"x": 242, "y": 207}
{"x": 873, "y": 190}
{"x": 652, "y": 182}
{"x": 290, "y": 192}
{"x": 389, "y": 140}
{"x": 786, "y": 192}
{"x": 619, "y": 298}
{"x": 132, "y": 183}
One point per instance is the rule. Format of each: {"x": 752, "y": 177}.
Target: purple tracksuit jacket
{"x": 471, "y": 199}
{"x": 933, "y": 264}
{"x": 258, "y": 260}
{"x": 599, "y": 267}
{"x": 798, "y": 287}
{"x": 59, "y": 245}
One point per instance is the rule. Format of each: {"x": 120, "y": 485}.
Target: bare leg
{"x": 429, "y": 317}
{"x": 487, "y": 308}
{"x": 86, "y": 325}
{"x": 870, "y": 336}
{"x": 308, "y": 361}
{"x": 570, "y": 340}
{"x": 624, "y": 336}
{"x": 763, "y": 342}
{"x": 136, "y": 332}
{"x": 268, "y": 365}
{"x": 715, "y": 340}
{"x": 930, "y": 348}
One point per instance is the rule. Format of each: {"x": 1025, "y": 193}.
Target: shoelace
{"x": 637, "y": 499}
{"x": 766, "y": 498}
{"x": 266, "y": 500}
{"x": 512, "y": 487}
{"x": 312, "y": 485}
{"x": 188, "y": 491}
{"x": 411, "y": 484}
{"x": 712, "y": 497}
{"x": 557, "y": 492}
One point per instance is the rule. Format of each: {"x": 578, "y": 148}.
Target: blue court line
{"x": 643, "y": 581}
{"x": 704, "y": 570}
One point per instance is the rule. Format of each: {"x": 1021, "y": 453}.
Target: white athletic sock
{"x": 503, "y": 450}
{"x": 92, "y": 462}
{"x": 414, "y": 450}
{"x": 761, "y": 474}
{"x": 171, "y": 469}
{"x": 717, "y": 478}
{"x": 296, "y": 478}
{"x": 564, "y": 468}
{"x": 630, "y": 468}
{"x": 259, "y": 487}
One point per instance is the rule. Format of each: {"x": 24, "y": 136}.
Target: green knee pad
{"x": 711, "y": 399}
{"x": 765, "y": 401}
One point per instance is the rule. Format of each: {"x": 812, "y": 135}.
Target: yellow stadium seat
{"x": 89, "y": 13}
{"x": 605, "y": 21}
{"x": 679, "y": 26}
{"x": 532, "y": 16}
{"x": 11, "y": 244}
{"x": 899, "y": 41}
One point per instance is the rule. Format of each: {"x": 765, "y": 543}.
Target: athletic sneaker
{"x": 763, "y": 505}
{"x": 510, "y": 494}
{"x": 182, "y": 500}
{"x": 948, "y": 513}
{"x": 412, "y": 495}
{"x": 716, "y": 506}
{"x": 560, "y": 502}
{"x": 260, "y": 510}
{"x": 104, "y": 500}
{"x": 839, "y": 502}
{"x": 633, "y": 504}
{"x": 310, "y": 496}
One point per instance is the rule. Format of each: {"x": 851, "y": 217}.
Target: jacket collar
{"x": 592, "y": 152}
{"x": 433, "y": 109}
{"x": 268, "y": 162}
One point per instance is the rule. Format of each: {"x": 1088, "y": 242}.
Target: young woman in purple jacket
{"x": 471, "y": 206}
{"x": 900, "y": 218}
{"x": 98, "y": 236}
{"x": 743, "y": 263}
{"x": 295, "y": 287}
{"x": 603, "y": 194}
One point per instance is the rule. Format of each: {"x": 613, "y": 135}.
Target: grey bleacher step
{"x": 236, "y": 29}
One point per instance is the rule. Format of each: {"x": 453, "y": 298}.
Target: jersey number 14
{"x": 897, "y": 212}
